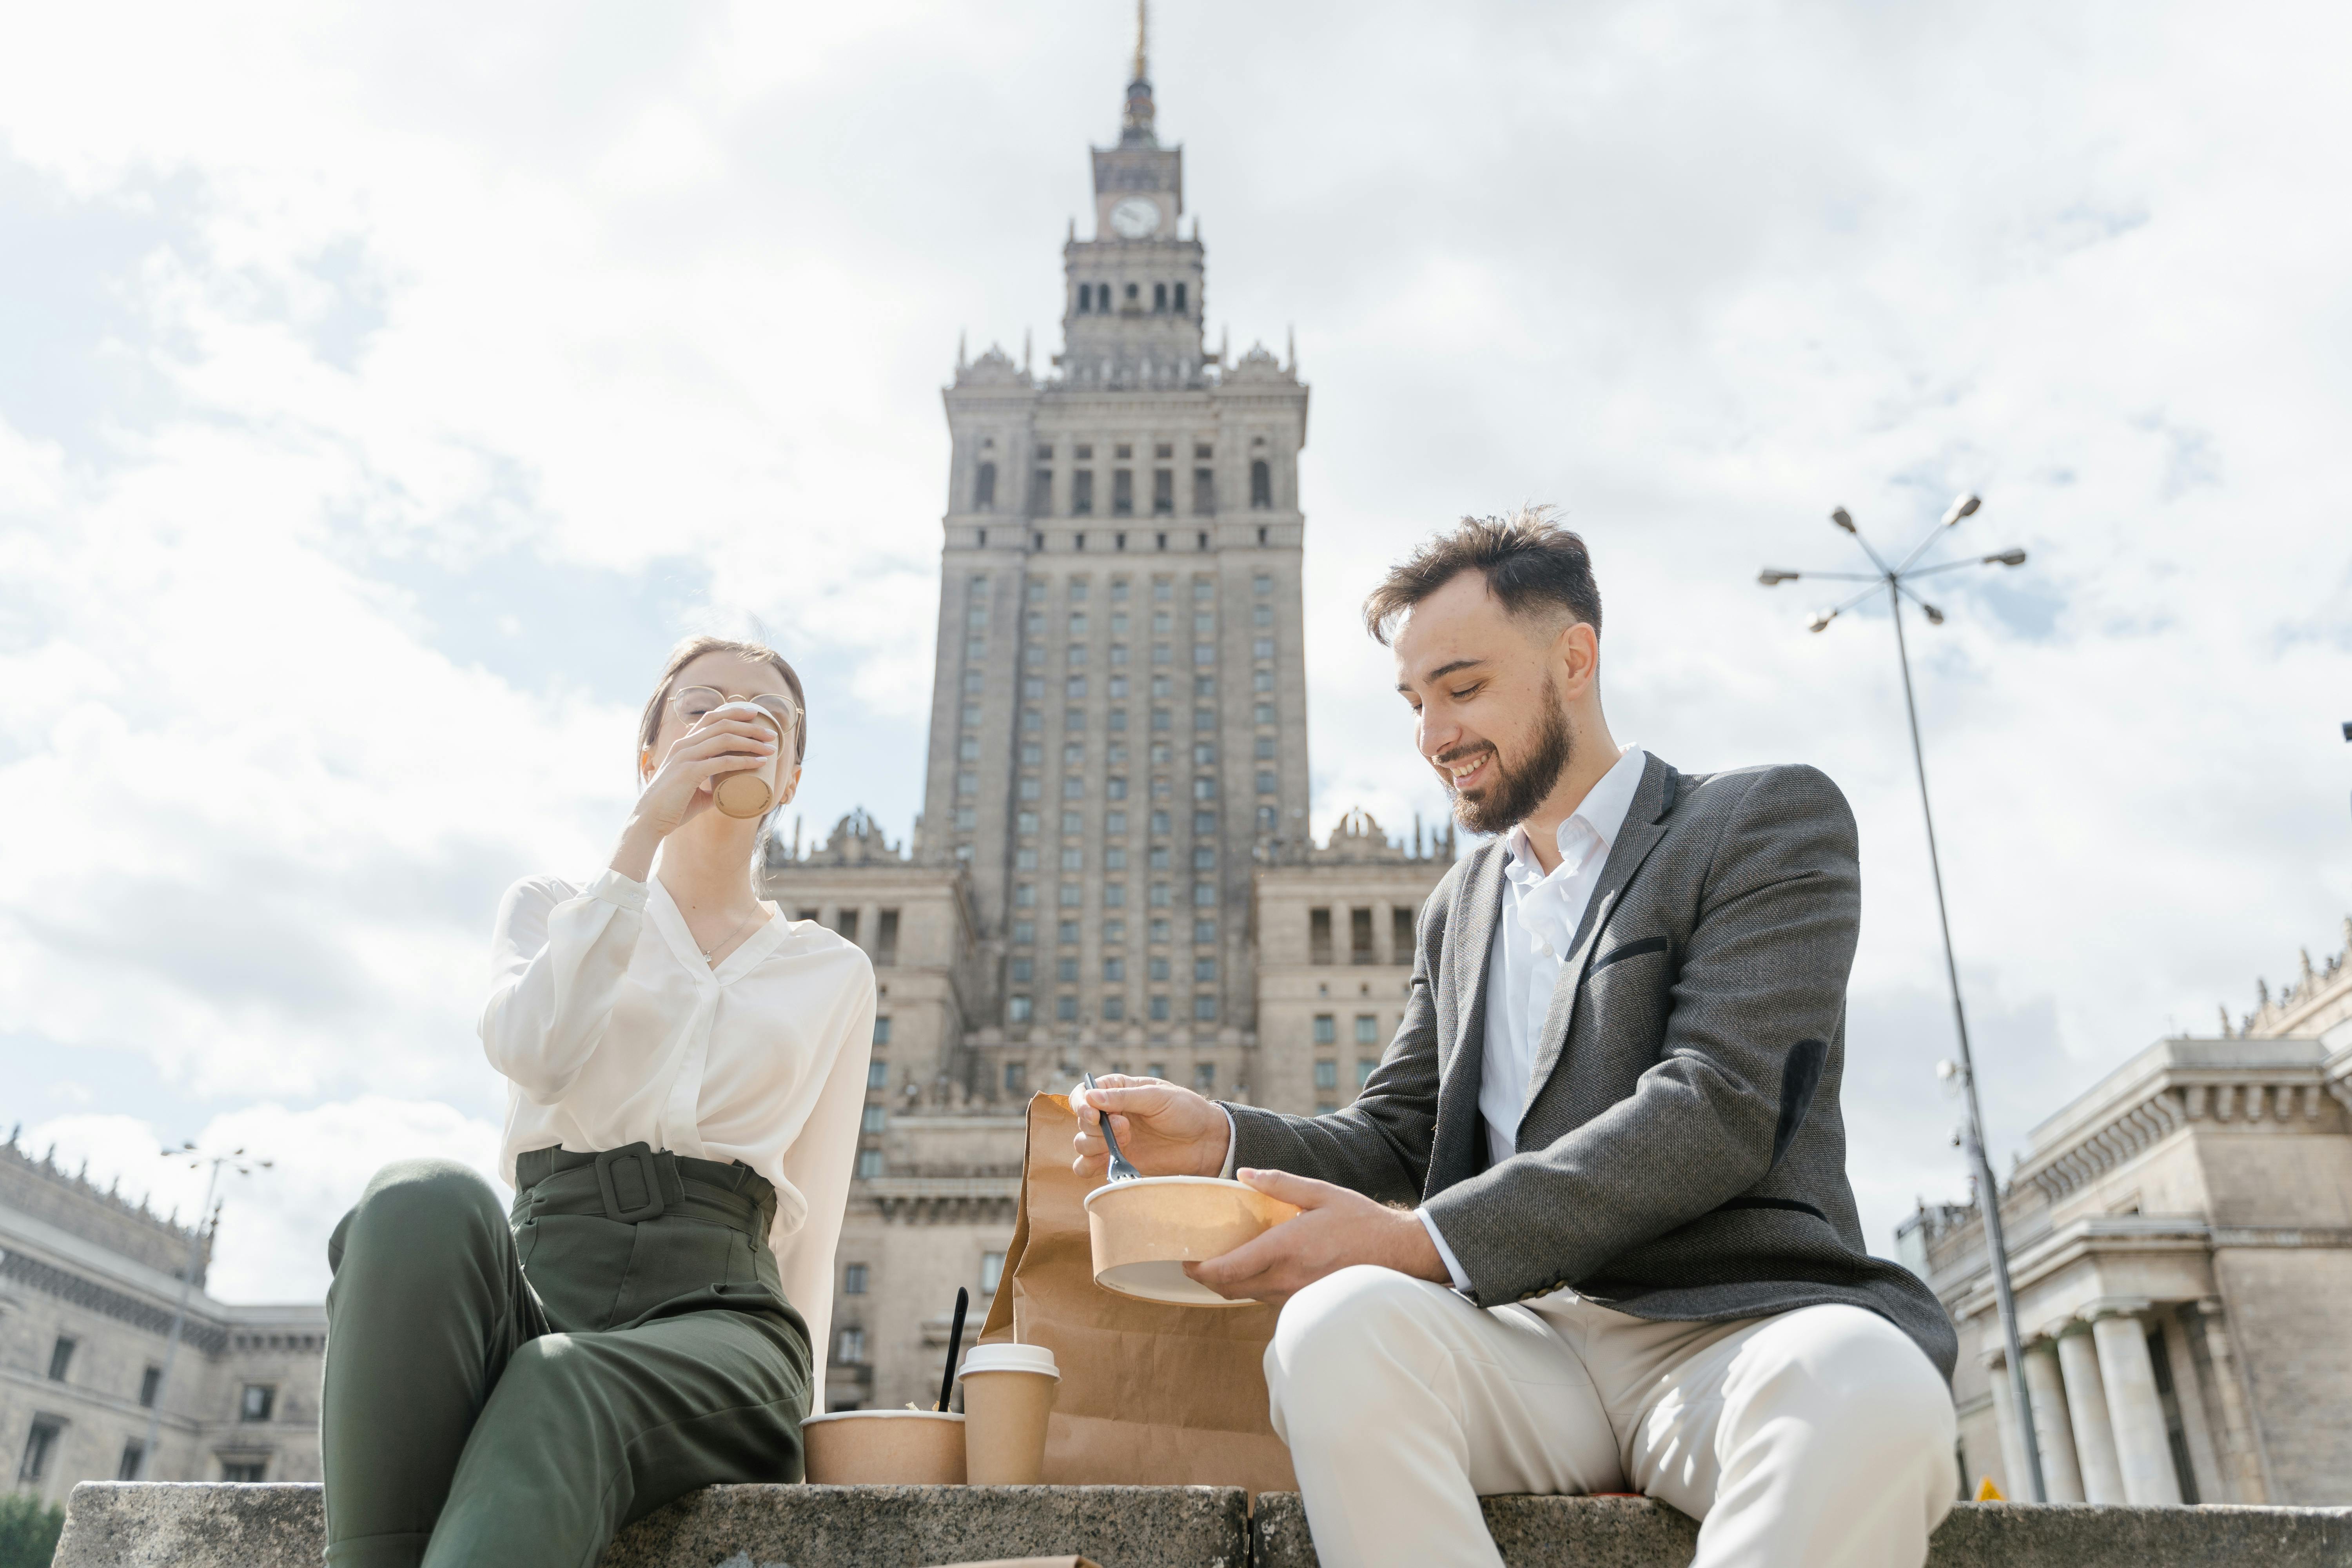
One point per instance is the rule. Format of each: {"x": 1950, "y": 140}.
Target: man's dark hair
{"x": 1528, "y": 562}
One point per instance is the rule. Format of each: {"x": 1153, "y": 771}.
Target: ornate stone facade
{"x": 1113, "y": 870}
{"x": 2181, "y": 1242}
{"x": 88, "y": 1284}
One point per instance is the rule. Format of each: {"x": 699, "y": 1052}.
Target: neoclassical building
{"x": 2181, "y": 1242}
{"x": 88, "y": 1287}
{"x": 1113, "y": 870}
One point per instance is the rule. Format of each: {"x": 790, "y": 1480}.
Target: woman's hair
{"x": 692, "y": 648}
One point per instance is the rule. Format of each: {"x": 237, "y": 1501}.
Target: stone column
{"x": 2013, "y": 1482}
{"x": 2134, "y": 1409}
{"x": 2242, "y": 1458}
{"x": 2062, "y": 1474}
{"x": 2204, "y": 1462}
{"x": 2086, "y": 1407}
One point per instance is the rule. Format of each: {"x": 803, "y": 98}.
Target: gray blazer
{"x": 1681, "y": 1156}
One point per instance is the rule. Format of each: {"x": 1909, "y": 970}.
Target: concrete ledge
{"x": 1635, "y": 1532}
{"x": 116, "y": 1524}
{"x": 1532, "y": 1531}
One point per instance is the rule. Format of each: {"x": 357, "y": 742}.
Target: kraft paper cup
{"x": 884, "y": 1448}
{"x": 1008, "y": 1394}
{"x": 1145, "y": 1231}
{"x": 746, "y": 793}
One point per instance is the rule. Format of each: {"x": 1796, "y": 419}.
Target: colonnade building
{"x": 2180, "y": 1241}
{"x": 1113, "y": 870}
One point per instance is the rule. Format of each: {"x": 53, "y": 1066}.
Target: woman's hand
{"x": 679, "y": 790}
{"x": 1163, "y": 1129}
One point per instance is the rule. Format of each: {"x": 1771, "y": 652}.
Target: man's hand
{"x": 1335, "y": 1229}
{"x": 1164, "y": 1130}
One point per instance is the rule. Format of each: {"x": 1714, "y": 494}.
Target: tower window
{"x": 1041, "y": 494}
{"x": 1122, "y": 492}
{"x": 1082, "y": 492}
{"x": 1180, "y": 298}
{"x": 984, "y": 488}
{"x": 1204, "y": 492}
{"x": 1160, "y": 299}
{"x": 1085, "y": 298}
{"x": 1132, "y": 297}
{"x": 1164, "y": 492}
{"x": 1260, "y": 484}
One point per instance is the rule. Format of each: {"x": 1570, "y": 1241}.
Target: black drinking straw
{"x": 955, "y": 1343}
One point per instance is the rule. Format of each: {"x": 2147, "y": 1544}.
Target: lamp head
{"x": 1772, "y": 577}
{"x": 1935, "y": 615}
{"x": 1842, "y": 518}
{"x": 2006, "y": 558}
{"x": 1965, "y": 507}
{"x": 1821, "y": 621}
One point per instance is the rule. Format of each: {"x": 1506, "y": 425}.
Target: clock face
{"x": 1135, "y": 218}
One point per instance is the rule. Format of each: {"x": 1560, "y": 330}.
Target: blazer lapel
{"x": 1457, "y": 1141}
{"x": 1644, "y": 827}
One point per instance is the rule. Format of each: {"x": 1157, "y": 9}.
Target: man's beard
{"x": 1515, "y": 793}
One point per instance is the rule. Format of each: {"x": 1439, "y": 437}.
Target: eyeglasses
{"x": 694, "y": 703}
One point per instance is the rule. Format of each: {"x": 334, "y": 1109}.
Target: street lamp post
{"x": 1895, "y": 583}
{"x": 236, "y": 1160}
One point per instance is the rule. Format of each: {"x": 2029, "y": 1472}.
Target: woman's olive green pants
{"x": 513, "y": 1396}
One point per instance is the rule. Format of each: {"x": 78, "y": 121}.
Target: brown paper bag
{"x": 1150, "y": 1395}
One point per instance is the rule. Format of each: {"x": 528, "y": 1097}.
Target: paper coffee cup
{"x": 1008, "y": 1394}
{"x": 746, "y": 793}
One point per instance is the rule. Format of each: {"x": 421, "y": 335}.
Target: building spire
{"x": 1135, "y": 125}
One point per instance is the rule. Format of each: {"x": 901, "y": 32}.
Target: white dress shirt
{"x": 612, "y": 1029}
{"x": 1532, "y": 940}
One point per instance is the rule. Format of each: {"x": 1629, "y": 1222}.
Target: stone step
{"x": 133, "y": 1524}
{"x": 118, "y": 1524}
{"x": 1635, "y": 1532}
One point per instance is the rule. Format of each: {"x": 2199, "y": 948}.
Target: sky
{"x": 382, "y": 389}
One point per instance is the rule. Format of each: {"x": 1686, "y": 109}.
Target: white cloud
{"x": 400, "y": 383}
{"x": 274, "y": 1222}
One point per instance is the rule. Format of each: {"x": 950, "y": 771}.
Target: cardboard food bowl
{"x": 1145, "y": 1231}
{"x": 884, "y": 1448}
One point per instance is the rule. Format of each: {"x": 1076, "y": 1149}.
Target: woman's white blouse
{"x": 611, "y": 1029}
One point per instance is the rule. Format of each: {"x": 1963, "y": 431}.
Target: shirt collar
{"x": 1603, "y": 811}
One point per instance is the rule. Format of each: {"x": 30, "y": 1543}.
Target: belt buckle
{"x": 641, "y": 1156}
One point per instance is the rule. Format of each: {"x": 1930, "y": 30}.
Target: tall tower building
{"x": 1116, "y": 796}
{"x": 1119, "y": 719}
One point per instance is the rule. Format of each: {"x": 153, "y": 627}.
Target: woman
{"x": 686, "y": 1073}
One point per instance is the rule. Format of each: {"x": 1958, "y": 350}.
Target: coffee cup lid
{"x": 1009, "y": 1358}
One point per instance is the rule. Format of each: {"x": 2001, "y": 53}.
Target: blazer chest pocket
{"x": 1637, "y": 948}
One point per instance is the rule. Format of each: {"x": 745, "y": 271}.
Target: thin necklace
{"x": 730, "y": 936}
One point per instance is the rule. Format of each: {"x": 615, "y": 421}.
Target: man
{"x": 1587, "y": 1228}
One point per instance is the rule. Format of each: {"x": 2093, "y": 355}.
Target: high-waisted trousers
{"x": 512, "y": 1391}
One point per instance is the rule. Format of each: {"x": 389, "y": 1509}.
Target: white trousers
{"x": 1822, "y": 1437}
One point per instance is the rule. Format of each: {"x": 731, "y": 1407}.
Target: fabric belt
{"x": 638, "y": 1183}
